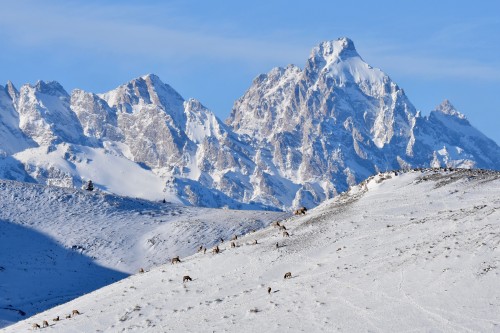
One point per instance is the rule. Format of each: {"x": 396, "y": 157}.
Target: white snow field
{"x": 59, "y": 243}
{"x": 409, "y": 252}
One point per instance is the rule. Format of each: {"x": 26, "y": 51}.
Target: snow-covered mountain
{"x": 339, "y": 120}
{"x": 59, "y": 243}
{"x": 296, "y": 137}
{"x": 406, "y": 251}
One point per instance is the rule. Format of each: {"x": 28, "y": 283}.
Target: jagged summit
{"x": 144, "y": 91}
{"x": 153, "y": 78}
{"x": 11, "y": 90}
{"x": 339, "y": 49}
{"x": 52, "y": 88}
{"x": 339, "y": 61}
{"x": 447, "y": 108}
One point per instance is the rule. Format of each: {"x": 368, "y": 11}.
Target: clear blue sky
{"x": 212, "y": 50}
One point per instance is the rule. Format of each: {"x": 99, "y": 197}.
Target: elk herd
{"x": 233, "y": 244}
{"x": 45, "y": 323}
{"x": 186, "y": 278}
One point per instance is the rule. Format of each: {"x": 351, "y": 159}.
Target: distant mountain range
{"x": 296, "y": 137}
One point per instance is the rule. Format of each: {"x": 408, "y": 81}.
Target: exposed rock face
{"x": 45, "y": 114}
{"x": 297, "y": 136}
{"x": 12, "y": 139}
{"x": 339, "y": 120}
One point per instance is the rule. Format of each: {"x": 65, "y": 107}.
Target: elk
{"x": 268, "y": 290}
{"x": 56, "y": 319}
{"x": 141, "y": 270}
{"x": 35, "y": 326}
{"x": 216, "y": 250}
{"x": 288, "y": 275}
{"x": 282, "y": 227}
{"x": 204, "y": 250}
{"x": 75, "y": 312}
{"x": 200, "y": 248}
{"x": 175, "y": 260}
{"x": 300, "y": 211}
{"x": 255, "y": 242}
{"x": 276, "y": 224}
{"x": 68, "y": 316}
{"x": 233, "y": 244}
{"x": 286, "y": 234}
{"x": 235, "y": 237}
{"x": 186, "y": 278}
{"x": 45, "y": 323}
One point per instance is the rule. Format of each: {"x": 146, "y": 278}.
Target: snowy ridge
{"x": 59, "y": 243}
{"x": 297, "y": 137}
{"x": 363, "y": 261}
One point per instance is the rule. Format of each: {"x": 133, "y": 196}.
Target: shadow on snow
{"x": 37, "y": 273}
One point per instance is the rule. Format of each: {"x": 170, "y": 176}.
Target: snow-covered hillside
{"x": 412, "y": 251}
{"x": 59, "y": 243}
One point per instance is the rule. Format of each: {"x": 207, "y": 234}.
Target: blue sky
{"x": 212, "y": 50}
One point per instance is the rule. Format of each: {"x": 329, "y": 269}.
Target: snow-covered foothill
{"x": 402, "y": 251}
{"x": 59, "y": 243}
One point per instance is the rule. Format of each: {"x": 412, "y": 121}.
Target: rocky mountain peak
{"x": 339, "y": 49}
{"x": 11, "y": 90}
{"x": 152, "y": 79}
{"x": 52, "y": 88}
{"x": 145, "y": 92}
{"x": 448, "y": 109}
{"x": 339, "y": 62}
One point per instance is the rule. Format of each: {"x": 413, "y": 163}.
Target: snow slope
{"x": 59, "y": 243}
{"x": 415, "y": 251}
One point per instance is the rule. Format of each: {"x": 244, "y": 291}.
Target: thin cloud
{"x": 438, "y": 68}
{"x": 423, "y": 59}
{"x": 127, "y": 35}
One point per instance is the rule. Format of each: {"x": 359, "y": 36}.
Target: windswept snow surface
{"x": 58, "y": 243}
{"x": 417, "y": 251}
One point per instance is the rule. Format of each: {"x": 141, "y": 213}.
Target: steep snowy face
{"x": 12, "y": 139}
{"x": 98, "y": 120}
{"x": 45, "y": 114}
{"x": 266, "y": 105}
{"x": 202, "y": 123}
